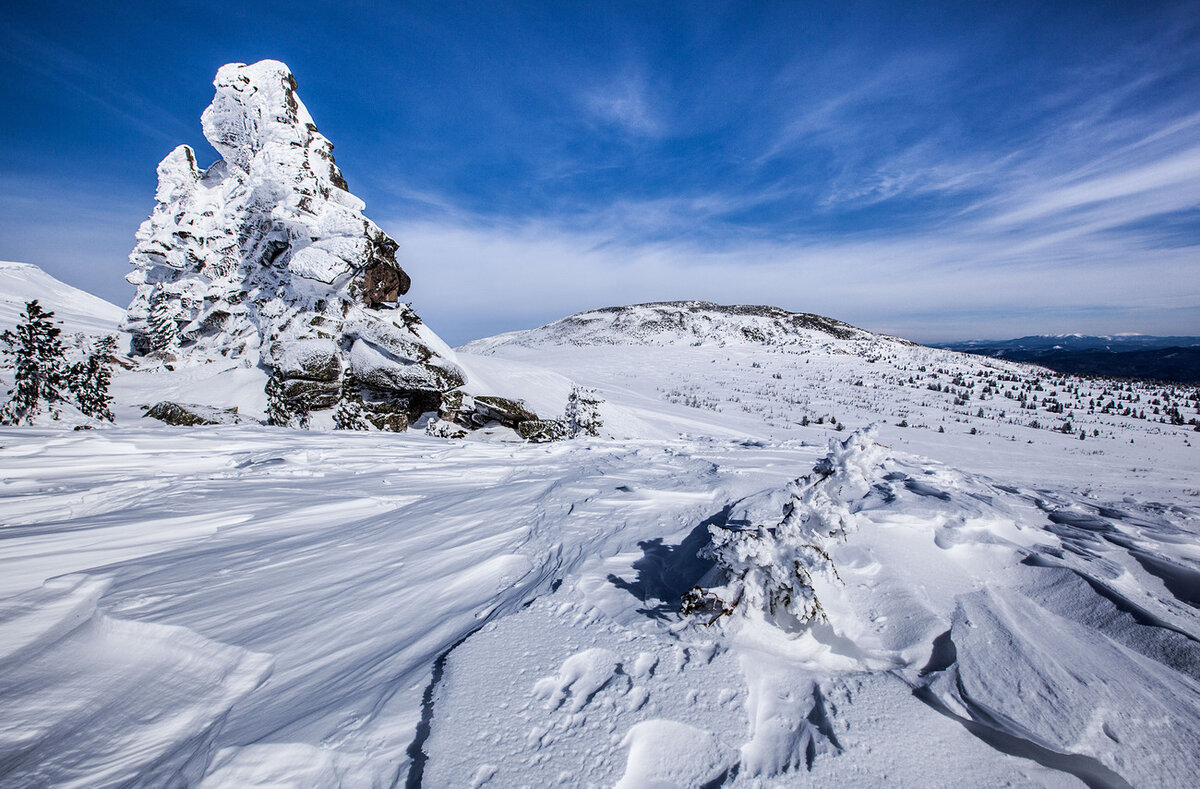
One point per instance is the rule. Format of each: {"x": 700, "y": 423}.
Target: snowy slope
{"x": 78, "y": 310}
{"x": 1005, "y": 603}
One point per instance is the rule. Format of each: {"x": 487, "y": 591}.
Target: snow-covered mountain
{"x": 77, "y": 310}
{"x": 681, "y": 323}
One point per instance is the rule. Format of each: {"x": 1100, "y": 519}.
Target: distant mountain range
{"x": 1122, "y": 355}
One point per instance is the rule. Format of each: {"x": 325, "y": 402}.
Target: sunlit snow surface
{"x": 249, "y": 606}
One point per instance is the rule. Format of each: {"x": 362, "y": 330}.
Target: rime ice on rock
{"x": 266, "y": 256}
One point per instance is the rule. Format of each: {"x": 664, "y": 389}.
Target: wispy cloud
{"x": 624, "y": 102}
{"x": 1041, "y": 239}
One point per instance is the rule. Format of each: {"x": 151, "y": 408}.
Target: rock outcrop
{"x": 266, "y": 256}
{"x": 190, "y": 414}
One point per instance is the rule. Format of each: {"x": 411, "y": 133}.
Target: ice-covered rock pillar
{"x": 267, "y": 256}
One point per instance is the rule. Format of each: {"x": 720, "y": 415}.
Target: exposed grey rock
{"x": 507, "y": 412}
{"x": 543, "y": 430}
{"x": 191, "y": 414}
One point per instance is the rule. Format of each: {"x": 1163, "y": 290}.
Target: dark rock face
{"x": 540, "y": 431}
{"x": 190, "y": 414}
{"x": 481, "y": 410}
{"x": 507, "y": 412}
{"x": 382, "y": 284}
{"x": 387, "y": 415}
{"x": 315, "y": 395}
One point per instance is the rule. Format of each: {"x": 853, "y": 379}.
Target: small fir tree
{"x": 302, "y": 412}
{"x": 279, "y": 414}
{"x": 40, "y": 363}
{"x": 164, "y": 331}
{"x": 90, "y": 379}
{"x": 582, "y": 414}
{"x": 349, "y": 414}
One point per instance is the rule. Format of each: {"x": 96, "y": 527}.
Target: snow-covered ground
{"x": 250, "y": 606}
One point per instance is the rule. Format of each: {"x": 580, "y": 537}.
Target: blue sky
{"x": 939, "y": 171}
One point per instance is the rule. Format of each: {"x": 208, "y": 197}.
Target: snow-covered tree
{"x": 164, "y": 331}
{"x": 301, "y": 412}
{"x": 90, "y": 378}
{"x": 582, "y": 414}
{"x": 279, "y": 414}
{"x": 41, "y": 369}
{"x": 349, "y": 414}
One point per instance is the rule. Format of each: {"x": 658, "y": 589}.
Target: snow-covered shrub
{"x": 582, "y": 414}
{"x": 350, "y": 414}
{"x": 540, "y": 431}
{"x": 163, "y": 330}
{"x": 770, "y": 568}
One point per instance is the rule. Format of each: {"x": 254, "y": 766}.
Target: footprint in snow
{"x": 580, "y": 678}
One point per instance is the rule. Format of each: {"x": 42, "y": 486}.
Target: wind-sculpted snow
{"x": 265, "y": 606}
{"x": 951, "y": 649}
{"x": 234, "y": 605}
{"x": 240, "y": 606}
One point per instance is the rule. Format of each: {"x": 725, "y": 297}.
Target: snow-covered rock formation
{"x": 266, "y": 256}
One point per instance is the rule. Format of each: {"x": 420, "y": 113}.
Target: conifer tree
{"x": 90, "y": 379}
{"x": 582, "y": 414}
{"x": 278, "y": 412}
{"x": 164, "y": 331}
{"x": 301, "y": 411}
{"x": 41, "y": 369}
{"x": 349, "y": 414}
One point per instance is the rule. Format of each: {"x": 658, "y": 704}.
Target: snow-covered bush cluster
{"x": 43, "y": 376}
{"x": 770, "y": 568}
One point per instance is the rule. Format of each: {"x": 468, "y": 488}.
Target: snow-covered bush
{"x": 162, "y": 329}
{"x": 279, "y": 413}
{"x": 770, "y": 568}
{"x": 582, "y": 414}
